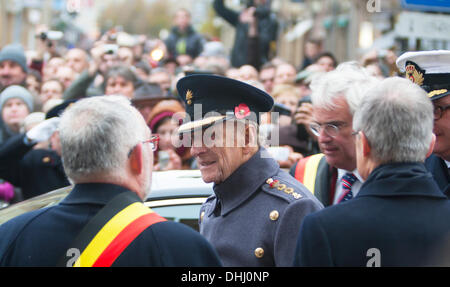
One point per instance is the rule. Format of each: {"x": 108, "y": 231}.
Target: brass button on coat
{"x": 274, "y": 215}
{"x": 259, "y": 252}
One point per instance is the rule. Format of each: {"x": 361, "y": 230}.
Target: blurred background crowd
{"x": 56, "y": 52}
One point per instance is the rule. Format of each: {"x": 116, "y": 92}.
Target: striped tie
{"x": 347, "y": 182}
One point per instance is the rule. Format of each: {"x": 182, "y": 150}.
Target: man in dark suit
{"x": 397, "y": 217}
{"x": 335, "y": 97}
{"x": 107, "y": 152}
{"x": 431, "y": 71}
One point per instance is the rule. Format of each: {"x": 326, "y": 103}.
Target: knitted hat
{"x": 15, "y": 53}
{"x": 16, "y": 92}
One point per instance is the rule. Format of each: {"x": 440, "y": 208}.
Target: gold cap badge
{"x": 414, "y": 75}
{"x": 189, "y": 96}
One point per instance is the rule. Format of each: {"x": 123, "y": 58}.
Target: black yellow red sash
{"x": 306, "y": 171}
{"x": 114, "y": 228}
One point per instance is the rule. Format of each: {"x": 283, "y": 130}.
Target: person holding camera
{"x": 256, "y": 31}
{"x": 91, "y": 81}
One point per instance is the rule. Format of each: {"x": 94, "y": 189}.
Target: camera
{"x": 302, "y": 133}
{"x": 50, "y": 36}
{"x": 110, "y": 49}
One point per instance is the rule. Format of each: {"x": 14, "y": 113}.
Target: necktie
{"x": 347, "y": 182}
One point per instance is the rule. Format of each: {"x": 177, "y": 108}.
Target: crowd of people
{"x": 326, "y": 123}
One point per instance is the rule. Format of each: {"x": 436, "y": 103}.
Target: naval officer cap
{"x": 428, "y": 69}
{"x": 212, "y": 99}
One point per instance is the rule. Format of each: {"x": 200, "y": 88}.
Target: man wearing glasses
{"x": 431, "y": 71}
{"x": 107, "y": 152}
{"x": 332, "y": 176}
{"x": 399, "y": 217}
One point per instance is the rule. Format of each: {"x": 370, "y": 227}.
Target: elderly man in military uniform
{"x": 256, "y": 211}
{"x": 431, "y": 71}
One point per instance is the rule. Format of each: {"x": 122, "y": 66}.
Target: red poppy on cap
{"x": 241, "y": 111}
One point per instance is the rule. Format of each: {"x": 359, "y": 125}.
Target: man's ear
{"x": 433, "y": 142}
{"x": 136, "y": 159}
{"x": 365, "y": 144}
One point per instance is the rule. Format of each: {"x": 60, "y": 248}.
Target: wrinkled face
{"x": 11, "y": 73}
{"x": 217, "y": 163}
{"x": 340, "y": 149}
{"x": 119, "y": 86}
{"x": 14, "y": 112}
{"x": 442, "y": 130}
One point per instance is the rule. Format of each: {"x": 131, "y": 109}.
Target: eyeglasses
{"x": 439, "y": 111}
{"x": 331, "y": 129}
{"x": 153, "y": 141}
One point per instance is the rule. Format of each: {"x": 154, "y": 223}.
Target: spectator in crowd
{"x": 393, "y": 135}
{"x": 13, "y": 66}
{"x": 335, "y": 97}
{"x": 121, "y": 173}
{"x": 34, "y": 82}
{"x": 267, "y": 76}
{"x": 285, "y": 74}
{"x": 120, "y": 80}
{"x": 142, "y": 70}
{"x": 164, "y": 121}
{"x": 126, "y": 56}
{"x": 256, "y": 31}
{"x": 214, "y": 54}
{"x": 51, "y": 89}
{"x": 161, "y": 77}
{"x": 51, "y": 67}
{"x": 288, "y": 96}
{"x": 15, "y": 104}
{"x": 225, "y": 145}
{"x": 326, "y": 61}
{"x": 430, "y": 70}
{"x": 312, "y": 48}
{"x": 248, "y": 73}
{"x": 91, "y": 82}
{"x": 183, "y": 41}
{"x": 146, "y": 97}
{"x": 66, "y": 76}
{"x": 35, "y": 171}
{"x": 77, "y": 60}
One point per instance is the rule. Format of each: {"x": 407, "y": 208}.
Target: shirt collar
{"x": 245, "y": 180}
{"x": 342, "y": 172}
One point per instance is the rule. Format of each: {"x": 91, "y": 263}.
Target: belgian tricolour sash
{"x": 114, "y": 227}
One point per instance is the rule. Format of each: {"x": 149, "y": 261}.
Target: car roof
{"x": 179, "y": 183}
